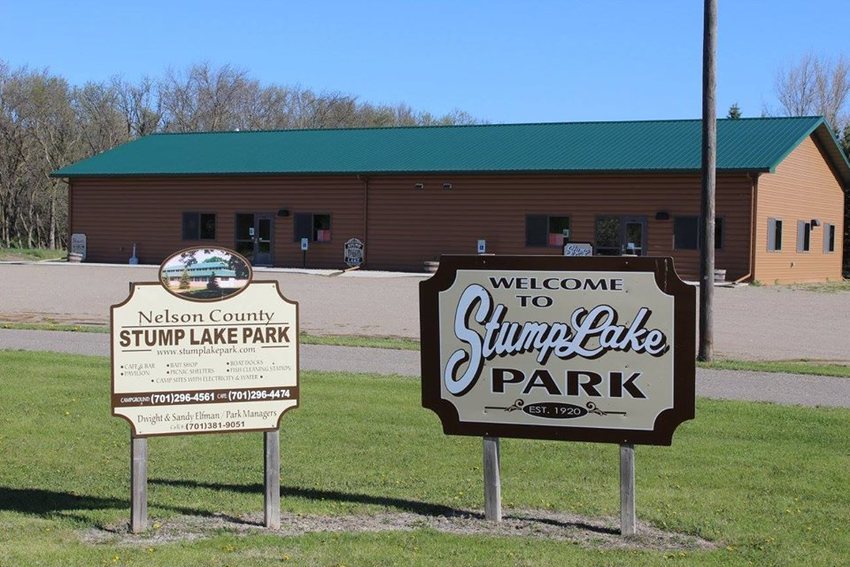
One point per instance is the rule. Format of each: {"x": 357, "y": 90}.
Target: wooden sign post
{"x": 204, "y": 350}
{"x": 572, "y": 348}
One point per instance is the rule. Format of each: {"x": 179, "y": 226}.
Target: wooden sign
{"x": 205, "y": 350}
{"x": 585, "y": 349}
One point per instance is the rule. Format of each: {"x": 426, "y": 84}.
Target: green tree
{"x": 734, "y": 112}
{"x": 212, "y": 283}
{"x": 185, "y": 283}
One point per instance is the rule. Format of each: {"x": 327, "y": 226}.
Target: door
{"x": 254, "y": 237}
{"x": 616, "y": 235}
{"x": 634, "y": 236}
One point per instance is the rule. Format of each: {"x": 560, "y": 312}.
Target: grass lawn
{"x": 32, "y": 254}
{"x": 767, "y": 484}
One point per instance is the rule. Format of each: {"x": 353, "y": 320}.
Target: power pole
{"x": 709, "y": 182}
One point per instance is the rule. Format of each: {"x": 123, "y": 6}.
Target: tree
{"x": 816, "y": 86}
{"x": 212, "y": 283}
{"x": 734, "y": 112}
{"x": 821, "y": 86}
{"x": 185, "y": 282}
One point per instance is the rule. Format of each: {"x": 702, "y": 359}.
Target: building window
{"x": 774, "y": 235}
{"x": 198, "y": 226}
{"x": 313, "y": 226}
{"x": 543, "y": 230}
{"x": 828, "y": 237}
{"x": 804, "y": 236}
{"x": 686, "y": 233}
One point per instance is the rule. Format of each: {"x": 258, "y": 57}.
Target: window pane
{"x": 322, "y": 228}
{"x": 536, "y": 228}
{"x": 777, "y": 235}
{"x": 685, "y": 233}
{"x": 190, "y": 226}
{"x": 557, "y": 226}
{"x": 718, "y": 233}
{"x": 207, "y": 228}
{"x": 608, "y": 236}
{"x": 244, "y": 227}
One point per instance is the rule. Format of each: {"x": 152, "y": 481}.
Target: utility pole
{"x": 709, "y": 182}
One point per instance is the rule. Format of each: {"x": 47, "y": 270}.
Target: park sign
{"x": 205, "y": 349}
{"x": 548, "y": 347}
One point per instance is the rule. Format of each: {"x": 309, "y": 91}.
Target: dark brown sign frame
{"x": 684, "y": 349}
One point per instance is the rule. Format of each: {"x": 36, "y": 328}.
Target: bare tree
{"x": 816, "y": 86}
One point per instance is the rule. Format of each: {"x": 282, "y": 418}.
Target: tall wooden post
{"x": 138, "y": 484}
{"x": 628, "y": 516}
{"x": 492, "y": 480}
{"x": 271, "y": 446}
{"x": 709, "y": 159}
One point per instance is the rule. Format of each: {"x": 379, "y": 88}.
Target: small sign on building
{"x": 578, "y": 249}
{"x": 353, "y": 252}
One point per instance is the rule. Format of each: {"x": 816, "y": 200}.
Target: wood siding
{"x": 406, "y": 225}
{"x": 802, "y": 188}
{"x": 114, "y": 213}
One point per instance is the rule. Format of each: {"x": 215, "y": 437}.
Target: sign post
{"x": 204, "y": 350}
{"x": 305, "y": 244}
{"x": 577, "y": 349}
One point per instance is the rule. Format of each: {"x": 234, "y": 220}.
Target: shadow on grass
{"x": 51, "y": 504}
{"x": 422, "y": 508}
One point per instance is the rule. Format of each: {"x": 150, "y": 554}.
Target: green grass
{"x": 811, "y": 367}
{"x": 825, "y": 287}
{"x": 31, "y": 254}
{"x": 54, "y": 327}
{"x": 767, "y": 483}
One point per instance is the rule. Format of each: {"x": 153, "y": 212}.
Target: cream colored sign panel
{"x": 182, "y": 366}
{"x": 586, "y": 349}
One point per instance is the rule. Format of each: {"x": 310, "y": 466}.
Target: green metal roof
{"x": 748, "y": 144}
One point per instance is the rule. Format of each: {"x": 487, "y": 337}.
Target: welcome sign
{"x": 590, "y": 349}
{"x": 205, "y": 350}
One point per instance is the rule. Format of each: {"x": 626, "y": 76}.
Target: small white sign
{"x": 482, "y": 246}
{"x": 578, "y": 249}
{"x": 305, "y": 244}
{"x": 78, "y": 245}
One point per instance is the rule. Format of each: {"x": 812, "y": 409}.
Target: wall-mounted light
{"x": 662, "y": 215}
{"x": 283, "y": 212}
{"x": 447, "y": 185}
{"x": 420, "y": 186}
{"x": 815, "y": 222}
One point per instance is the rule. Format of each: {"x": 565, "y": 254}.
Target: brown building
{"x": 411, "y": 194}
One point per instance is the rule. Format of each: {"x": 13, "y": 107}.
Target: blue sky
{"x": 501, "y": 61}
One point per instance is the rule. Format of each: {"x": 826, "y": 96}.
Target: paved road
{"x": 718, "y": 384}
{"x": 767, "y": 323}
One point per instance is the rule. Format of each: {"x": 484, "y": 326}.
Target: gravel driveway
{"x": 750, "y": 322}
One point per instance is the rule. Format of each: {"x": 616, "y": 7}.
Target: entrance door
{"x": 634, "y": 235}
{"x": 616, "y": 235}
{"x": 254, "y": 237}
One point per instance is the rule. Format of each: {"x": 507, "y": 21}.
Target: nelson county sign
{"x": 585, "y": 349}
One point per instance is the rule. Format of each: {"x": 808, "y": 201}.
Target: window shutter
{"x": 771, "y": 234}
{"x": 801, "y": 235}
{"x": 190, "y": 226}
{"x": 303, "y": 223}
{"x": 536, "y": 230}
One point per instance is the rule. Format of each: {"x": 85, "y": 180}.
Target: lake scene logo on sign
{"x": 205, "y": 274}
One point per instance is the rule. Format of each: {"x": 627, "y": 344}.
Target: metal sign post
{"x": 271, "y": 443}
{"x": 138, "y": 484}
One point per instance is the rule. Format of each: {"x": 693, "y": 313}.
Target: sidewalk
{"x": 789, "y": 389}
